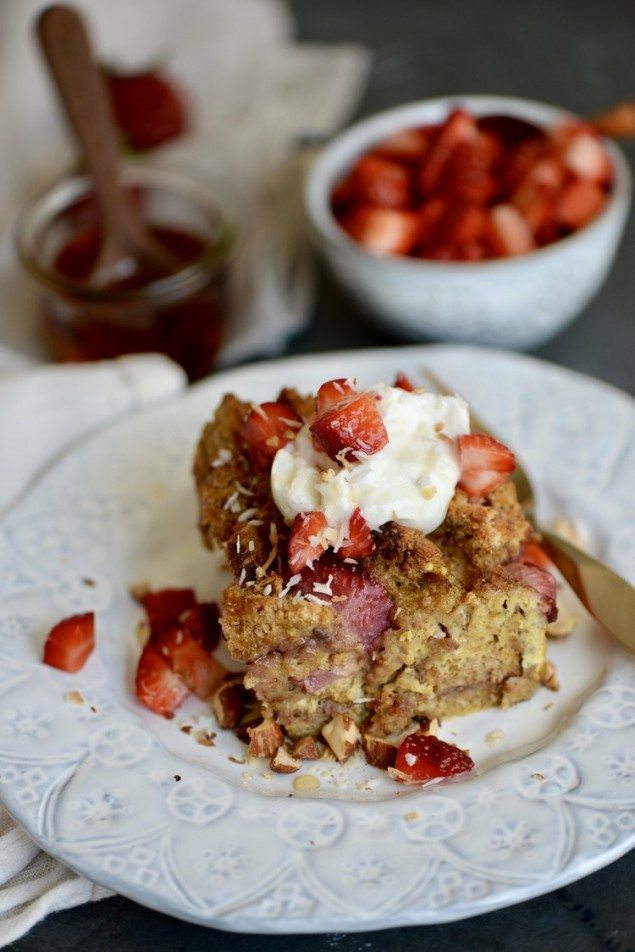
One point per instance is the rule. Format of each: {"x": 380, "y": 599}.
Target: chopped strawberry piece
{"x": 269, "y": 427}
{"x": 203, "y": 623}
{"x": 508, "y": 232}
{"x": 378, "y": 181}
{"x": 462, "y": 223}
{"x": 353, "y": 426}
{"x": 343, "y": 195}
{"x": 522, "y": 160}
{"x": 383, "y": 231}
{"x": 333, "y": 391}
{"x": 148, "y": 108}
{"x": 586, "y": 157}
{"x": 407, "y": 145}
{"x": 441, "y": 253}
{"x": 485, "y": 463}
{"x": 473, "y": 251}
{"x": 423, "y": 757}
{"x": 540, "y": 580}
{"x": 403, "y": 382}
{"x": 534, "y": 554}
{"x": 468, "y": 175}
{"x": 188, "y": 658}
{"x": 156, "y": 685}
{"x": 459, "y": 127}
{"x": 165, "y": 606}
{"x": 359, "y": 540}
{"x": 306, "y": 544}
{"x": 578, "y": 203}
{"x": 358, "y": 598}
{"x": 70, "y": 642}
{"x": 430, "y": 218}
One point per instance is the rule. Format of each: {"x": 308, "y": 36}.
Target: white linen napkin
{"x": 255, "y": 97}
{"x": 43, "y": 411}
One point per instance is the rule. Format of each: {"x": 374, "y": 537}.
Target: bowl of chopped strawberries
{"x": 477, "y": 218}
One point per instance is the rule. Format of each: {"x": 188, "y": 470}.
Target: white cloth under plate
{"x": 43, "y": 411}
{"x": 255, "y": 95}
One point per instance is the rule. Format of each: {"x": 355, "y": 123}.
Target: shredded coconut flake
{"x": 267, "y": 590}
{"x": 229, "y": 502}
{"x": 258, "y": 409}
{"x": 223, "y": 457}
{"x": 252, "y": 545}
{"x": 242, "y": 489}
{"x": 255, "y": 522}
{"x": 316, "y": 600}
{"x": 351, "y": 561}
{"x": 292, "y": 581}
{"x": 323, "y": 588}
{"x": 242, "y": 576}
{"x": 237, "y": 543}
{"x": 247, "y": 514}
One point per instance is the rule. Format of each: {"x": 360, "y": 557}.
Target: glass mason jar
{"x": 181, "y": 313}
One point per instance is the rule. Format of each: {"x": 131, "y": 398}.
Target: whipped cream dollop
{"x": 410, "y": 481}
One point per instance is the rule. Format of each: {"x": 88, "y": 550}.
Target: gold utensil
{"x": 604, "y": 593}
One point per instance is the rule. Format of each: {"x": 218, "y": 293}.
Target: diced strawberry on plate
{"x": 508, "y": 232}
{"x": 164, "y": 606}
{"x": 203, "y": 623}
{"x": 187, "y": 657}
{"x": 353, "y": 426}
{"x": 423, "y": 757}
{"x": 306, "y": 543}
{"x": 540, "y": 580}
{"x": 403, "y": 382}
{"x": 579, "y": 203}
{"x": 333, "y": 391}
{"x": 156, "y": 685}
{"x": 383, "y": 231}
{"x": 359, "y": 540}
{"x": 70, "y": 642}
{"x": 485, "y": 463}
{"x": 459, "y": 127}
{"x": 269, "y": 427}
{"x": 381, "y": 182}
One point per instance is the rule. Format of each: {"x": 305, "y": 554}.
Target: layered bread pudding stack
{"x": 382, "y": 564}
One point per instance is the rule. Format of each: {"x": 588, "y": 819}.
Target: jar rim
{"x": 185, "y": 279}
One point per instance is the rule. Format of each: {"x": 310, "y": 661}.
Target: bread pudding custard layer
{"x": 385, "y": 624}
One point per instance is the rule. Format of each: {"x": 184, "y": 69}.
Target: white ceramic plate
{"x": 132, "y": 802}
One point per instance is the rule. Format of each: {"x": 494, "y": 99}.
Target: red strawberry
{"x": 441, "y": 253}
{"x": 485, "y": 463}
{"x": 534, "y": 554}
{"x": 333, "y": 391}
{"x": 203, "y": 623}
{"x": 430, "y": 217}
{"x": 70, "y": 642}
{"x": 407, "y": 145}
{"x": 359, "y": 599}
{"x": 352, "y": 426}
{"x": 378, "y": 181}
{"x": 148, "y": 108}
{"x": 468, "y": 175}
{"x": 359, "y": 541}
{"x": 305, "y": 542}
{"x": 188, "y": 658}
{"x": 540, "y": 580}
{"x": 403, "y": 382}
{"x": 459, "y": 127}
{"x": 578, "y": 203}
{"x": 165, "y": 606}
{"x": 156, "y": 685}
{"x": 472, "y": 251}
{"x": 522, "y": 160}
{"x": 382, "y": 230}
{"x": 343, "y": 195}
{"x": 462, "y": 223}
{"x": 423, "y": 757}
{"x": 508, "y": 232}
{"x": 268, "y": 427}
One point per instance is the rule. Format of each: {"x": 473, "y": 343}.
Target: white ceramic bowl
{"x": 514, "y": 302}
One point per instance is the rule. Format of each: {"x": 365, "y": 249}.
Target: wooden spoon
{"x": 125, "y": 241}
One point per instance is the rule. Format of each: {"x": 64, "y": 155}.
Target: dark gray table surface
{"x": 579, "y": 54}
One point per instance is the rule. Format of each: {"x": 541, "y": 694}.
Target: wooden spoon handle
{"x": 67, "y": 49}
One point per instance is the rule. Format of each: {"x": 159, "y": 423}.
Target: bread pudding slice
{"x": 386, "y": 624}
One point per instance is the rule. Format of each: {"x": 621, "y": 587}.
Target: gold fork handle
{"x": 604, "y": 593}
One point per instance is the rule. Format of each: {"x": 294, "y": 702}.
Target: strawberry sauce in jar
{"x": 179, "y": 311}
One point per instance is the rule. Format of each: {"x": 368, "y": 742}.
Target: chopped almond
{"x": 306, "y": 749}
{"x": 265, "y": 738}
{"x": 342, "y": 735}
{"x": 227, "y": 704}
{"x": 379, "y": 752}
{"x": 283, "y": 762}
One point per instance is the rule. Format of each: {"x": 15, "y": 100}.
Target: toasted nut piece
{"x": 264, "y": 739}
{"x": 139, "y": 590}
{"x": 431, "y": 728}
{"x": 342, "y": 736}
{"x": 306, "y": 749}
{"x": 227, "y": 704}
{"x": 401, "y": 777}
{"x": 549, "y": 677}
{"x": 379, "y": 752}
{"x": 283, "y": 762}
